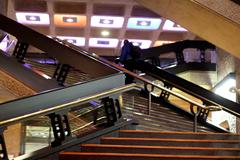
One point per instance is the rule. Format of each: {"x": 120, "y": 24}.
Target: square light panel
{"x": 33, "y": 18}
{"x": 144, "y": 23}
{"x": 171, "y": 26}
{"x": 107, "y": 21}
{"x": 66, "y": 20}
{"x": 103, "y": 42}
{"x": 159, "y": 43}
{"x": 78, "y": 41}
{"x": 143, "y": 44}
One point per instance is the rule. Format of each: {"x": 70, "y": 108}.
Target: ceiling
{"x": 97, "y": 25}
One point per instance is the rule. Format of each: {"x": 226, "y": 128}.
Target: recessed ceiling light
{"x": 79, "y": 41}
{"x": 32, "y": 18}
{"x": 105, "y": 33}
{"x": 103, "y": 42}
{"x": 107, "y": 21}
{"x": 144, "y": 23}
{"x": 70, "y": 20}
{"x": 171, "y": 26}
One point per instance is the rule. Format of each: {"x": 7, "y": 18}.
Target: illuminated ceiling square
{"x": 103, "y": 42}
{"x": 67, "y": 20}
{"x": 144, "y": 23}
{"x": 107, "y": 21}
{"x": 32, "y": 18}
{"x": 171, "y": 26}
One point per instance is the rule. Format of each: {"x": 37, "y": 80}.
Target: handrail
{"x": 69, "y": 104}
{"x": 175, "y": 47}
{"x": 217, "y": 107}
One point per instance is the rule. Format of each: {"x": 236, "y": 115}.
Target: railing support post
{"x": 61, "y": 73}
{"x": 20, "y": 50}
{"x": 110, "y": 111}
{"x": 60, "y": 126}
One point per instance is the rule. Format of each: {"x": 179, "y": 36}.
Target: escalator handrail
{"x": 175, "y": 47}
{"x": 69, "y": 104}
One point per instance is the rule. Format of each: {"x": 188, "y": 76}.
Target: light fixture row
{"x": 109, "y": 42}
{"x": 63, "y": 20}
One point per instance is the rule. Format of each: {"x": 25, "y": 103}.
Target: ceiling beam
{"x": 201, "y": 21}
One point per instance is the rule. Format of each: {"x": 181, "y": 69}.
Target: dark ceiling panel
{"x": 108, "y": 9}
{"x": 30, "y": 5}
{"x": 70, "y": 7}
{"x": 76, "y": 32}
{"x": 139, "y": 11}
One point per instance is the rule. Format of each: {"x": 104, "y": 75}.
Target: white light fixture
{"x": 107, "y": 21}
{"x": 105, "y": 33}
{"x": 103, "y": 42}
{"x": 33, "y": 18}
{"x": 171, "y": 26}
{"x": 144, "y": 23}
{"x": 78, "y": 41}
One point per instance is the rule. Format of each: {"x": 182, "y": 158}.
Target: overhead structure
{"x": 201, "y": 20}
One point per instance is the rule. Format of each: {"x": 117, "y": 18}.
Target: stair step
{"x": 178, "y": 135}
{"x": 123, "y": 156}
{"x": 171, "y": 142}
{"x": 172, "y": 150}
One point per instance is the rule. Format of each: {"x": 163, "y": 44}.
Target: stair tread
{"x": 175, "y": 132}
{"x": 161, "y": 147}
{"x": 68, "y": 154}
{"x": 171, "y": 140}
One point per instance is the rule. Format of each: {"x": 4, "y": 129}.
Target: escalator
{"x": 179, "y": 57}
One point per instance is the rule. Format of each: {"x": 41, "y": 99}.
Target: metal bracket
{"x": 3, "y": 148}
{"x": 61, "y": 128}
{"x": 202, "y": 56}
{"x": 119, "y": 112}
{"x": 165, "y": 94}
{"x": 156, "y": 61}
{"x": 109, "y": 111}
{"x": 20, "y": 50}
{"x": 61, "y": 73}
{"x": 180, "y": 57}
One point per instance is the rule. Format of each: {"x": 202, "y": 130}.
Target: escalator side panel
{"x": 53, "y": 98}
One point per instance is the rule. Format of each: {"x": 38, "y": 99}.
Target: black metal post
{"x": 20, "y": 50}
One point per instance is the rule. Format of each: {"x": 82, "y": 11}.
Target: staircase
{"x": 150, "y": 145}
{"x": 161, "y": 118}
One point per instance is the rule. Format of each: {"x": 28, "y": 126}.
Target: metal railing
{"x": 199, "y": 106}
